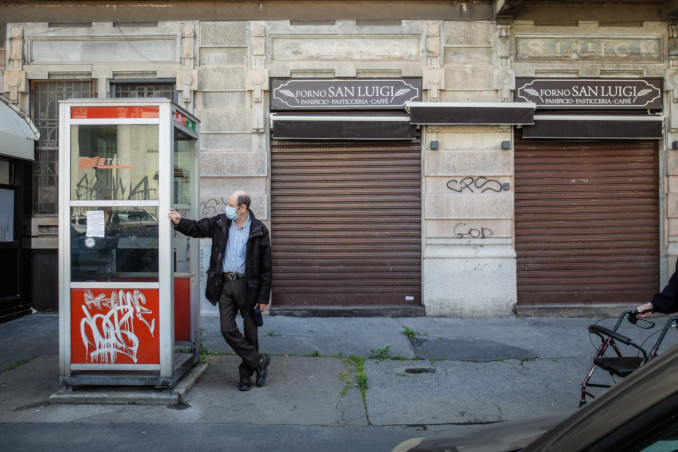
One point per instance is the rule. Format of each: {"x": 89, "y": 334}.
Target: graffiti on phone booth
{"x": 109, "y": 324}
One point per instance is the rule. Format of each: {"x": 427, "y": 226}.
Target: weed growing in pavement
{"x": 355, "y": 364}
{"x": 360, "y": 375}
{"x": 272, "y": 333}
{"x": 361, "y": 380}
{"x": 345, "y": 376}
{"x": 315, "y": 354}
{"x": 381, "y": 354}
{"x": 15, "y": 365}
{"x": 409, "y": 333}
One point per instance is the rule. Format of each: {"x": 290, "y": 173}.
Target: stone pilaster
{"x": 15, "y": 76}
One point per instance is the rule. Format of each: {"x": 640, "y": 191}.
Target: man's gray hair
{"x": 244, "y": 198}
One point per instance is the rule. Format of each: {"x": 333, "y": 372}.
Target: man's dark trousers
{"x": 232, "y": 299}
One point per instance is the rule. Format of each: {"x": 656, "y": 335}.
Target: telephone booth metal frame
{"x": 129, "y": 302}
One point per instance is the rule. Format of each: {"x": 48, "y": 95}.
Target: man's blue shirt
{"x": 234, "y": 261}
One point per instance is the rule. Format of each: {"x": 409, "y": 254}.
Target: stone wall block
{"x": 673, "y": 230}
{"x": 469, "y": 280}
{"x": 233, "y": 164}
{"x": 223, "y": 56}
{"x": 223, "y": 34}
{"x": 345, "y": 48}
{"x": 672, "y": 205}
{"x": 224, "y": 121}
{"x": 489, "y": 95}
{"x": 477, "y": 206}
{"x": 673, "y": 184}
{"x": 240, "y": 142}
{"x": 468, "y": 163}
{"x": 470, "y": 76}
{"x": 468, "y": 34}
{"x": 222, "y": 79}
{"x": 207, "y": 100}
{"x": 223, "y": 186}
{"x": 468, "y": 55}
{"x": 473, "y": 138}
{"x": 672, "y": 168}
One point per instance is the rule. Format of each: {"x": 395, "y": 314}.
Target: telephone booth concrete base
{"x": 129, "y": 303}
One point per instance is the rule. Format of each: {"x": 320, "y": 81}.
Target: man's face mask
{"x": 231, "y": 213}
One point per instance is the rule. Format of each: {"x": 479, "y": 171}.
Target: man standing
{"x": 238, "y": 278}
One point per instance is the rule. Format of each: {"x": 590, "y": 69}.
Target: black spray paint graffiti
{"x": 462, "y": 230}
{"x": 96, "y": 189}
{"x": 474, "y": 184}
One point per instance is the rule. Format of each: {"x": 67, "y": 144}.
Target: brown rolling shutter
{"x": 587, "y": 221}
{"x": 346, "y": 223}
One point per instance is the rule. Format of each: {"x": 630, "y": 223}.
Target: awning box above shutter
{"x": 632, "y": 127}
{"x": 342, "y": 127}
{"x": 468, "y": 113}
{"x": 17, "y": 134}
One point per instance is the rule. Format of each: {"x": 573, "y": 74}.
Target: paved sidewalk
{"x": 451, "y": 373}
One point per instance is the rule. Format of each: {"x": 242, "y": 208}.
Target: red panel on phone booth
{"x": 115, "y": 112}
{"x": 115, "y": 326}
{"x": 182, "y": 309}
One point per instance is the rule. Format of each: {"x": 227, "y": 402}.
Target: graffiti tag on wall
{"x": 114, "y": 326}
{"x": 475, "y": 185}
{"x": 461, "y": 230}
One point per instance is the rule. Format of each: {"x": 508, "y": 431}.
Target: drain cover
{"x": 420, "y": 370}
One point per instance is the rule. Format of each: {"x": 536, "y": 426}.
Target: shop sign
{"x": 591, "y": 93}
{"x": 315, "y": 94}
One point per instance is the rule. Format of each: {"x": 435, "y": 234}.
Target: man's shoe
{"x": 262, "y": 370}
{"x": 245, "y": 383}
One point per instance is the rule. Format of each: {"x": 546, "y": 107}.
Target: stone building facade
{"x": 220, "y": 60}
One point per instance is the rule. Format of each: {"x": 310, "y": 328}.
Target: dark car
{"x": 638, "y": 414}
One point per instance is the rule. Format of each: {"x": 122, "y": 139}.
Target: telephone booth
{"x": 129, "y": 303}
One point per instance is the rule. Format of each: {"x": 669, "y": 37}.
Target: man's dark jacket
{"x": 666, "y": 301}
{"x": 258, "y": 266}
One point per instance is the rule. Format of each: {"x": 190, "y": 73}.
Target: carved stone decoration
{"x": 258, "y": 45}
{"x": 433, "y": 81}
{"x": 188, "y": 54}
{"x": 503, "y": 45}
{"x": 433, "y": 45}
{"x": 15, "y": 83}
{"x": 15, "y": 76}
{"x": 257, "y": 81}
{"x": 256, "y": 84}
{"x": 187, "y": 81}
{"x": 505, "y": 80}
{"x": 257, "y": 76}
{"x": 16, "y": 46}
